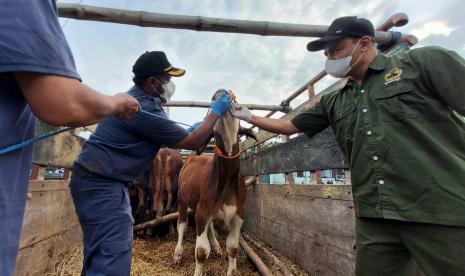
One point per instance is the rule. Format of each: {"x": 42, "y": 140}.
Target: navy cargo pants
{"x": 103, "y": 209}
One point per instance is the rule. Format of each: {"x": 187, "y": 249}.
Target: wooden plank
{"x": 49, "y": 213}
{"x": 48, "y": 185}
{"x": 335, "y": 192}
{"x": 311, "y": 225}
{"x": 41, "y": 257}
{"x": 263, "y": 135}
{"x": 50, "y": 227}
{"x": 58, "y": 151}
{"x": 299, "y": 154}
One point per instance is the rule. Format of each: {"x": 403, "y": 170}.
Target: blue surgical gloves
{"x": 193, "y": 127}
{"x": 221, "y": 103}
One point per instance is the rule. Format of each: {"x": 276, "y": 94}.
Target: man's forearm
{"x": 279, "y": 126}
{"x": 203, "y": 132}
{"x": 197, "y": 138}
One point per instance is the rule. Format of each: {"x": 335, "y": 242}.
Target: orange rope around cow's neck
{"x": 221, "y": 154}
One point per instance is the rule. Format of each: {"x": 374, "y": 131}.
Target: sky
{"x": 259, "y": 69}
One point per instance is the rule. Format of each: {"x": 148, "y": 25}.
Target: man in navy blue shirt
{"x": 37, "y": 77}
{"x": 117, "y": 153}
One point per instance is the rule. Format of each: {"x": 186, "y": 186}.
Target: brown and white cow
{"x": 157, "y": 185}
{"x": 215, "y": 189}
{"x": 167, "y": 166}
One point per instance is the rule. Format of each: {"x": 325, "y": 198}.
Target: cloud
{"x": 432, "y": 28}
{"x": 261, "y": 70}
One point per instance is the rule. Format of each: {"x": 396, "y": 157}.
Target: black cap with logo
{"x": 155, "y": 63}
{"x": 347, "y": 26}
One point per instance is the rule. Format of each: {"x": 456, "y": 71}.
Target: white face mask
{"x": 339, "y": 68}
{"x": 168, "y": 89}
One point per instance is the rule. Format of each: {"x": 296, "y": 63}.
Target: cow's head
{"x": 227, "y": 131}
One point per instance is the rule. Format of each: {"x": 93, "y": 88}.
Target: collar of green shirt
{"x": 379, "y": 64}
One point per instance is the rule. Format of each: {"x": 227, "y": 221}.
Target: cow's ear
{"x": 247, "y": 132}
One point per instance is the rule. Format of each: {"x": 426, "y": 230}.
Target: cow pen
{"x": 289, "y": 229}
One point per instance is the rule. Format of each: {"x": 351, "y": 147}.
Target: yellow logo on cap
{"x": 392, "y": 76}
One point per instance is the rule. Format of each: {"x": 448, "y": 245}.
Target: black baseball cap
{"x": 347, "y": 26}
{"x": 155, "y": 63}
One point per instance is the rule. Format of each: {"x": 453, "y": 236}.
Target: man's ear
{"x": 367, "y": 42}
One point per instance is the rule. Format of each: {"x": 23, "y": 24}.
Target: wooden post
{"x": 348, "y": 177}
{"x": 311, "y": 91}
{"x": 318, "y": 177}
{"x": 66, "y": 174}
{"x": 34, "y": 172}
{"x": 257, "y": 150}
{"x": 289, "y": 176}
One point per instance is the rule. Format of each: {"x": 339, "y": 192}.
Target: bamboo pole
{"x": 304, "y": 88}
{"x": 396, "y": 20}
{"x": 299, "y": 91}
{"x": 158, "y": 221}
{"x": 284, "y": 109}
{"x": 269, "y": 254}
{"x": 262, "y": 268}
{"x": 195, "y": 23}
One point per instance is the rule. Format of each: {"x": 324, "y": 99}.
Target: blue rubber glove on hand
{"x": 193, "y": 127}
{"x": 221, "y": 104}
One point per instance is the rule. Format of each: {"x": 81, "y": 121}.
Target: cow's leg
{"x": 202, "y": 245}
{"x": 171, "y": 229}
{"x": 232, "y": 243}
{"x": 160, "y": 204}
{"x": 141, "y": 206}
{"x": 182, "y": 225}
{"x": 162, "y": 179}
{"x": 157, "y": 186}
{"x": 170, "y": 175}
{"x": 169, "y": 202}
{"x": 216, "y": 248}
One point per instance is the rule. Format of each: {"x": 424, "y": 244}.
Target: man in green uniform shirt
{"x": 396, "y": 121}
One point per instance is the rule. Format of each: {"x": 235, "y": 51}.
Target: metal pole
{"x": 284, "y": 109}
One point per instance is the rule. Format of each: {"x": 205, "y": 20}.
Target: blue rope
{"x": 53, "y": 133}
{"x": 161, "y": 117}
{"x": 33, "y": 140}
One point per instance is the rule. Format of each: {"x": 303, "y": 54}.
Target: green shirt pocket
{"x": 345, "y": 118}
{"x": 397, "y": 102}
